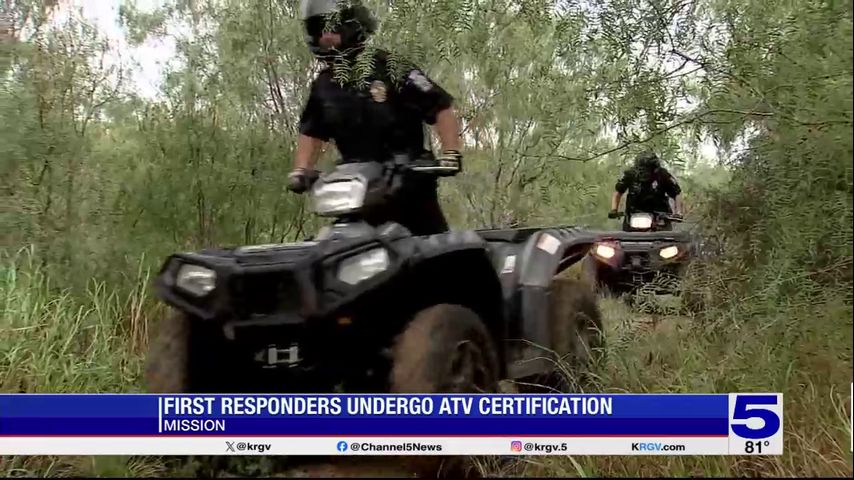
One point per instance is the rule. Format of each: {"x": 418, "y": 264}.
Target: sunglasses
{"x": 316, "y": 26}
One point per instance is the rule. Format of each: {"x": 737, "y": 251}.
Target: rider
{"x": 377, "y": 115}
{"x": 650, "y": 187}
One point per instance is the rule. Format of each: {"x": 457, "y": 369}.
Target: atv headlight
{"x": 605, "y": 251}
{"x": 668, "y": 252}
{"x": 337, "y": 198}
{"x": 641, "y": 221}
{"x": 363, "y": 266}
{"x": 195, "y": 280}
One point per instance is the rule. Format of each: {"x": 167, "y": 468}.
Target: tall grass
{"x": 52, "y": 342}
{"x": 802, "y": 351}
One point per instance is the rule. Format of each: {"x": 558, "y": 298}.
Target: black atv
{"x": 364, "y": 308}
{"x": 648, "y": 253}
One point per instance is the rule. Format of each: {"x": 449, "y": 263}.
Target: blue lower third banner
{"x": 383, "y": 424}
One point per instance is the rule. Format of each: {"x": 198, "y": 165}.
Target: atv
{"x": 646, "y": 254}
{"x": 372, "y": 308}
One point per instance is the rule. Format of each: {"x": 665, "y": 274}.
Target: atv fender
{"x": 456, "y": 267}
{"x": 545, "y": 255}
{"x": 433, "y": 246}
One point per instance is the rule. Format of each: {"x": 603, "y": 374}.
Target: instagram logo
{"x": 516, "y": 446}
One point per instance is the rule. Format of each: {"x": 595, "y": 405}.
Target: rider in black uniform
{"x": 650, "y": 187}
{"x": 373, "y": 116}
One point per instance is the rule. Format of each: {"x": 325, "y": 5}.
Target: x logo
{"x": 229, "y": 446}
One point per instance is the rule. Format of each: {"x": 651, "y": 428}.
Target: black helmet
{"x": 348, "y": 18}
{"x": 647, "y": 160}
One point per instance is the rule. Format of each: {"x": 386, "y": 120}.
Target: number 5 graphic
{"x": 743, "y": 411}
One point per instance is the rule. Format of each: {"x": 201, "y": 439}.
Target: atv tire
{"x": 444, "y": 349}
{"x": 576, "y": 323}
{"x": 577, "y": 339}
{"x": 181, "y": 343}
{"x": 166, "y": 368}
{"x": 590, "y": 273}
{"x": 597, "y": 278}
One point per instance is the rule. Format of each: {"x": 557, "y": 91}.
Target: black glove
{"x": 448, "y": 164}
{"x": 451, "y": 161}
{"x": 613, "y": 214}
{"x": 301, "y": 179}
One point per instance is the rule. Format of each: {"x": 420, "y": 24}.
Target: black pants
{"x": 416, "y": 207}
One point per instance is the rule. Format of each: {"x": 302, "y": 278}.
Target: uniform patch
{"x": 378, "y": 91}
{"x": 420, "y": 80}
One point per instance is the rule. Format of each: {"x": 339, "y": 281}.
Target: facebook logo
{"x": 342, "y": 446}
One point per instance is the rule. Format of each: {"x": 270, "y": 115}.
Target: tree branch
{"x": 655, "y": 134}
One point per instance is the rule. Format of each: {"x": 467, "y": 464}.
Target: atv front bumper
{"x": 273, "y": 286}
{"x": 269, "y": 306}
{"x": 630, "y": 259}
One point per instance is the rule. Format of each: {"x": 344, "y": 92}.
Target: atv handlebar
{"x": 667, "y": 216}
{"x": 398, "y": 162}
{"x": 393, "y": 167}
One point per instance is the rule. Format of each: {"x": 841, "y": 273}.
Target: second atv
{"x": 648, "y": 253}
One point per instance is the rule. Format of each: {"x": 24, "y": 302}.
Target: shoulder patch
{"x": 420, "y": 81}
{"x": 378, "y": 91}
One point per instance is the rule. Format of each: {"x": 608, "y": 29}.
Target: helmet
{"x": 348, "y": 18}
{"x": 647, "y": 160}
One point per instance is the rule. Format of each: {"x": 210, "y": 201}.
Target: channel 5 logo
{"x": 756, "y": 416}
{"x": 515, "y": 446}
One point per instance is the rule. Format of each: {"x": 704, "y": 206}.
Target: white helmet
{"x": 311, "y": 8}
{"x": 354, "y": 23}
